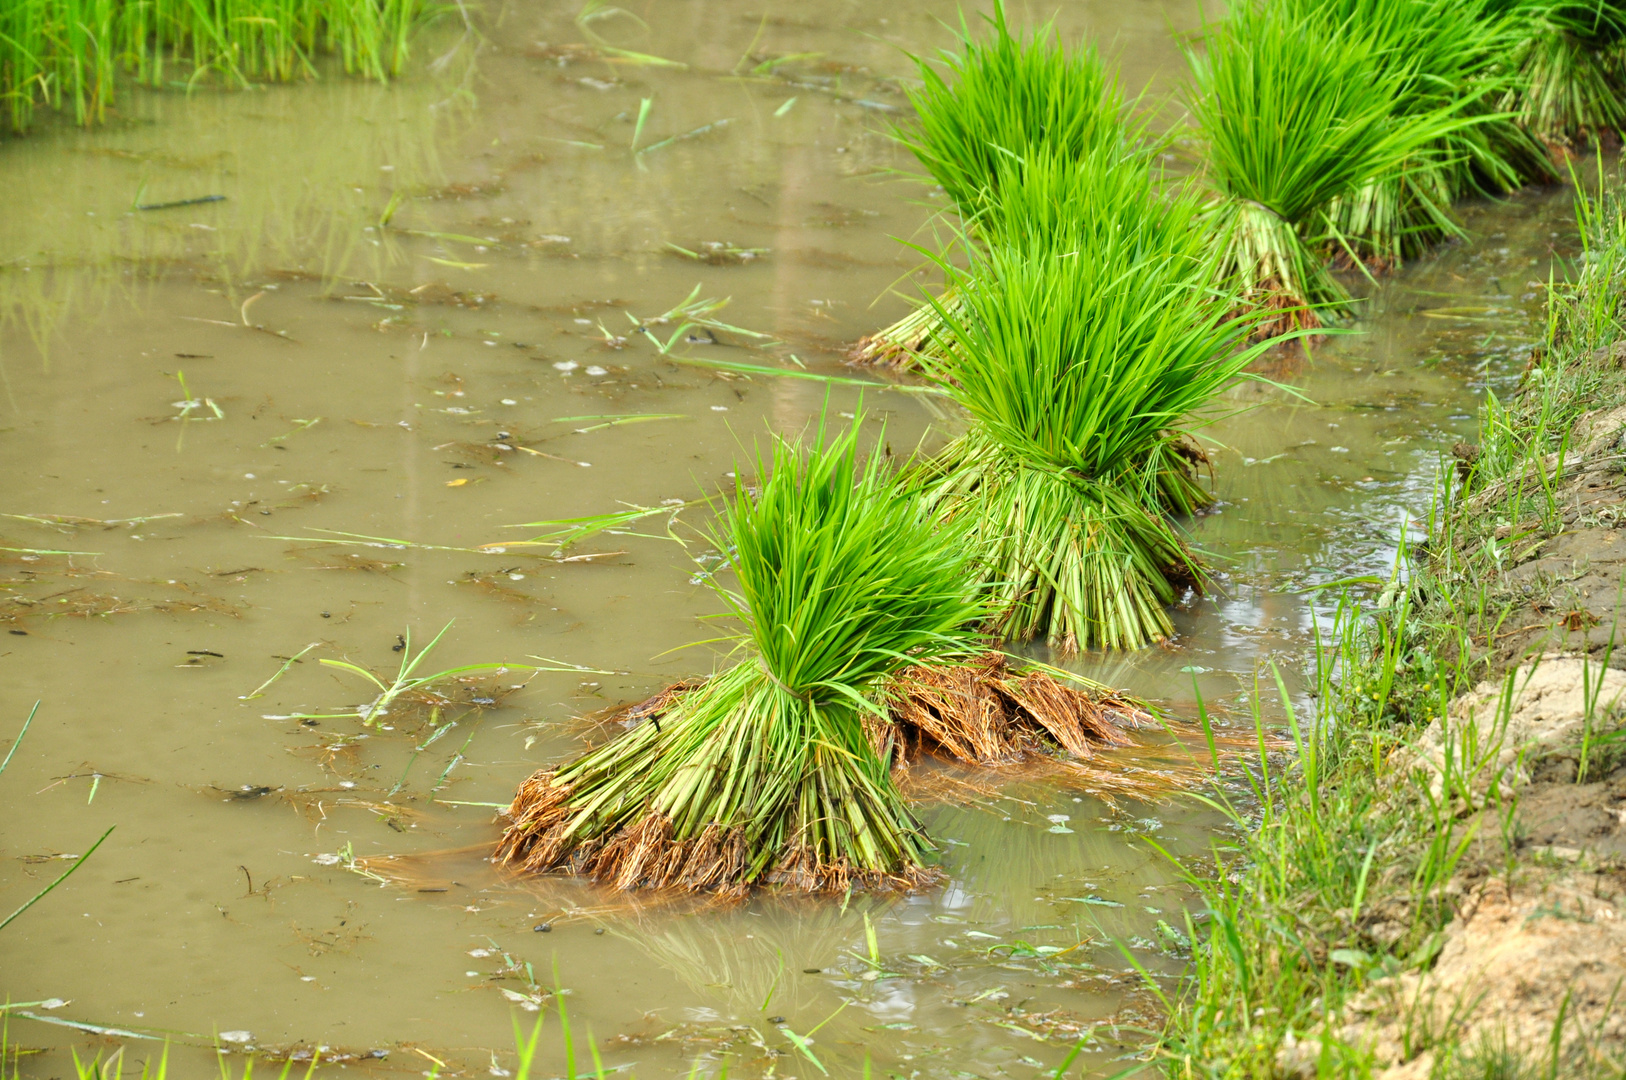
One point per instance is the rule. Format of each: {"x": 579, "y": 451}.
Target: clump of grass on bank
{"x": 1341, "y": 870}
{"x": 1297, "y": 113}
{"x": 768, "y": 771}
{"x": 1077, "y": 356}
{"x": 69, "y": 55}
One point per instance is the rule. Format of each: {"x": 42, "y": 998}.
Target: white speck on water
{"x": 327, "y": 858}
{"x": 516, "y": 577}
{"x": 1059, "y": 819}
{"x": 584, "y": 322}
{"x": 248, "y": 476}
{"x": 509, "y": 401}
{"x": 347, "y": 783}
{"x": 596, "y": 370}
{"x": 472, "y": 974}
{"x": 236, "y": 1036}
{"x": 1339, "y": 449}
{"x": 306, "y": 978}
{"x": 57, "y": 1003}
{"x": 719, "y": 408}
{"x": 479, "y": 954}
{"x": 496, "y": 550}
{"x": 566, "y": 365}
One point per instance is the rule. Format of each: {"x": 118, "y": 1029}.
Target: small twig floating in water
{"x": 181, "y": 202}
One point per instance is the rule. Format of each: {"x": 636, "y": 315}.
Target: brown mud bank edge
{"x": 1534, "y": 962}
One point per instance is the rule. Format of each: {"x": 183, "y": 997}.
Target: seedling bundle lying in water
{"x": 1010, "y": 98}
{"x": 1077, "y": 355}
{"x": 767, "y": 771}
{"x": 1455, "y": 56}
{"x": 1571, "y": 67}
{"x": 1297, "y": 113}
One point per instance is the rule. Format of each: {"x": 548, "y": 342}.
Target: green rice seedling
{"x": 1297, "y": 114}
{"x": 67, "y": 55}
{"x": 767, "y": 771}
{"x": 1078, "y": 365}
{"x": 77, "y": 863}
{"x": 1454, "y": 55}
{"x": 1571, "y": 79}
{"x": 1003, "y": 97}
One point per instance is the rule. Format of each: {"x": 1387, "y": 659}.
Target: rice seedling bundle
{"x": 1003, "y": 98}
{"x": 1457, "y": 56}
{"x": 770, "y": 770}
{"x": 1077, "y": 364}
{"x": 68, "y": 54}
{"x": 1572, "y": 68}
{"x": 1298, "y": 114}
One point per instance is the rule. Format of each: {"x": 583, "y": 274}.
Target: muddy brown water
{"x": 352, "y": 379}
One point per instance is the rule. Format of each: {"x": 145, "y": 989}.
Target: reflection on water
{"x": 408, "y": 322}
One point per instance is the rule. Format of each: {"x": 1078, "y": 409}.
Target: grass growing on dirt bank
{"x": 1353, "y": 862}
{"x": 68, "y": 55}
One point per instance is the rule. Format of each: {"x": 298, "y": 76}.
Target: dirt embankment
{"x": 1533, "y": 967}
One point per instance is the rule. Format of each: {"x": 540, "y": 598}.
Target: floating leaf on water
{"x": 980, "y": 934}
{"x": 459, "y": 482}
{"x": 1096, "y": 900}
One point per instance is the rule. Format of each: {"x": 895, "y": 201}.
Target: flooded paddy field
{"x": 309, "y": 420}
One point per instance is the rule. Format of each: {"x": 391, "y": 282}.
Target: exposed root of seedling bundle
{"x": 987, "y": 714}
{"x": 725, "y": 812}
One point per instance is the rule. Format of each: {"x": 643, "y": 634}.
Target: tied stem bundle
{"x": 767, "y": 772}
{"x": 1092, "y": 335}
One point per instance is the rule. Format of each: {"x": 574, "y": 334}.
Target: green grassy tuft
{"x": 68, "y": 55}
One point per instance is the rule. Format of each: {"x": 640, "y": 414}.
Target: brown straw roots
{"x": 981, "y": 713}
{"x": 986, "y": 714}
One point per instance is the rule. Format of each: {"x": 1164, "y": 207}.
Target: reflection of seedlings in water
{"x": 69, "y": 523}
{"x": 464, "y": 191}
{"x": 343, "y": 937}
{"x": 496, "y": 583}
{"x": 319, "y": 560}
{"x": 834, "y": 216}
{"x": 87, "y": 771}
{"x": 718, "y": 253}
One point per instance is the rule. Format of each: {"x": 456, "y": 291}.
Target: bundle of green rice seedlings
{"x": 1078, "y": 368}
{"x": 766, "y": 772}
{"x": 1297, "y": 114}
{"x": 1572, "y": 69}
{"x": 1458, "y": 56}
{"x": 1004, "y": 97}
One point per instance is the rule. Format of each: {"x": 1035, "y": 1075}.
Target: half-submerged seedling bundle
{"x": 1297, "y": 114}
{"x": 767, "y": 771}
{"x": 1458, "y": 57}
{"x": 1572, "y": 67}
{"x": 1004, "y": 99}
{"x": 1078, "y": 362}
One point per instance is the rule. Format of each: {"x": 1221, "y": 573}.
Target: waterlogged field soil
{"x": 304, "y": 420}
